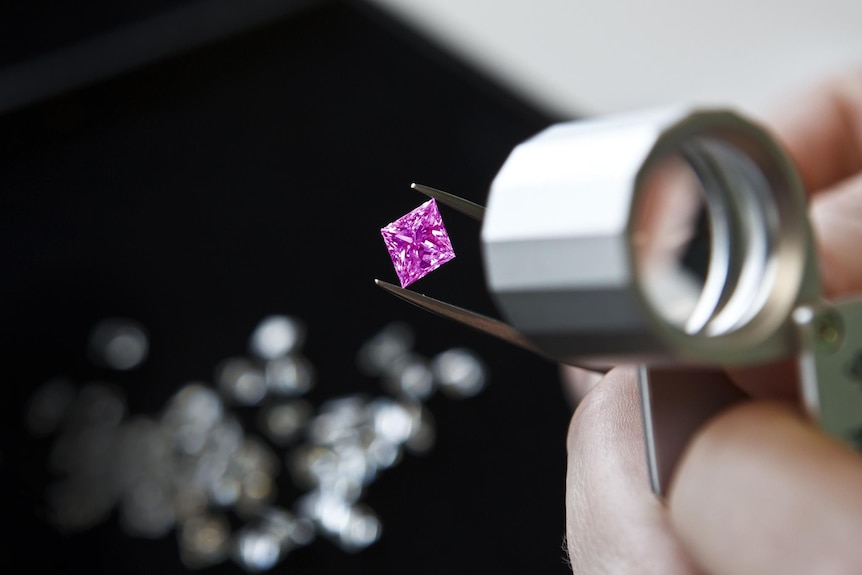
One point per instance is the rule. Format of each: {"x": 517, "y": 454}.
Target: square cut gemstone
{"x": 418, "y": 243}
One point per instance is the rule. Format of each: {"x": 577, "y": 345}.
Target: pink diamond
{"x": 418, "y": 243}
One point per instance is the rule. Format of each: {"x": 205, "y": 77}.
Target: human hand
{"x": 760, "y": 489}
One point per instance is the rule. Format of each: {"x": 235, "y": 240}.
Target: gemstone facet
{"x": 418, "y": 243}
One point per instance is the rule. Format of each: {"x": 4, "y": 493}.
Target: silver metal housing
{"x": 558, "y": 247}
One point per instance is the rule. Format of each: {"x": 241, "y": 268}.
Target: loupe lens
{"x": 672, "y": 240}
{"x": 702, "y": 235}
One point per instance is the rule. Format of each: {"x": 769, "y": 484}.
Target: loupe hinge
{"x": 830, "y": 361}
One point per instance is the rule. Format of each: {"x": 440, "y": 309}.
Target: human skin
{"x": 759, "y": 489}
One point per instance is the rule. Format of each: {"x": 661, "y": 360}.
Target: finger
{"x": 577, "y": 382}
{"x": 822, "y": 130}
{"x": 776, "y": 380}
{"x": 614, "y": 524}
{"x": 760, "y": 490}
{"x": 836, "y": 217}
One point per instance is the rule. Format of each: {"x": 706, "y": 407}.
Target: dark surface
{"x": 32, "y": 28}
{"x": 251, "y": 177}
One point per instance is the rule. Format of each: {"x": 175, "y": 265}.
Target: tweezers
{"x": 477, "y": 321}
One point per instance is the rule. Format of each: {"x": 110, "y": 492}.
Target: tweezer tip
{"x": 466, "y": 207}
{"x": 427, "y": 190}
{"x": 386, "y": 285}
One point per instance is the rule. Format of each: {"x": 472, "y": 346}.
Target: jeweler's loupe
{"x": 676, "y": 237}
{"x": 670, "y": 239}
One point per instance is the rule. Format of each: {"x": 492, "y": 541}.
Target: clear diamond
{"x": 418, "y": 243}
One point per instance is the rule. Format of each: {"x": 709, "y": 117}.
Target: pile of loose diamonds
{"x": 197, "y": 470}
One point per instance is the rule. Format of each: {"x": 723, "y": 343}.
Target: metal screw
{"x": 830, "y": 330}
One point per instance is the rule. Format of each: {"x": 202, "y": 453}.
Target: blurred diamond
{"x": 303, "y": 532}
{"x": 384, "y": 348}
{"x": 423, "y": 433}
{"x": 190, "y": 438}
{"x": 289, "y": 530}
{"x": 203, "y": 540}
{"x": 330, "y": 512}
{"x": 289, "y": 376}
{"x": 392, "y": 421}
{"x": 143, "y": 450}
{"x": 76, "y": 505}
{"x": 276, "y": 336}
{"x": 410, "y": 376}
{"x": 189, "y": 501}
{"x": 283, "y": 422}
{"x": 460, "y": 372}
{"x": 97, "y": 405}
{"x": 361, "y": 530}
{"x": 87, "y": 453}
{"x": 256, "y": 489}
{"x": 383, "y": 454}
{"x": 147, "y": 510}
{"x": 193, "y": 404}
{"x": 279, "y": 522}
{"x": 309, "y": 462}
{"x": 226, "y": 437}
{"x": 241, "y": 381}
{"x": 257, "y": 550}
{"x": 119, "y": 344}
{"x": 224, "y": 491}
{"x": 208, "y": 468}
{"x": 352, "y": 472}
{"x": 254, "y": 455}
{"x": 352, "y": 527}
{"x": 338, "y": 420}
{"x": 48, "y": 406}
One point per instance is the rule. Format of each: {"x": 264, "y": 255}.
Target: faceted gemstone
{"x": 418, "y": 243}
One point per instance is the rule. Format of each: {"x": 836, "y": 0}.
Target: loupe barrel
{"x": 657, "y": 237}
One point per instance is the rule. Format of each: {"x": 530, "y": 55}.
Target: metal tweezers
{"x": 471, "y": 319}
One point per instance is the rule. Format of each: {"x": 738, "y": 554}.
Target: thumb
{"x": 762, "y": 490}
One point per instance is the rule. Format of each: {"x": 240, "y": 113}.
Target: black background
{"x": 249, "y": 177}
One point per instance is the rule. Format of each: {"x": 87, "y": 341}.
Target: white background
{"x": 587, "y": 57}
